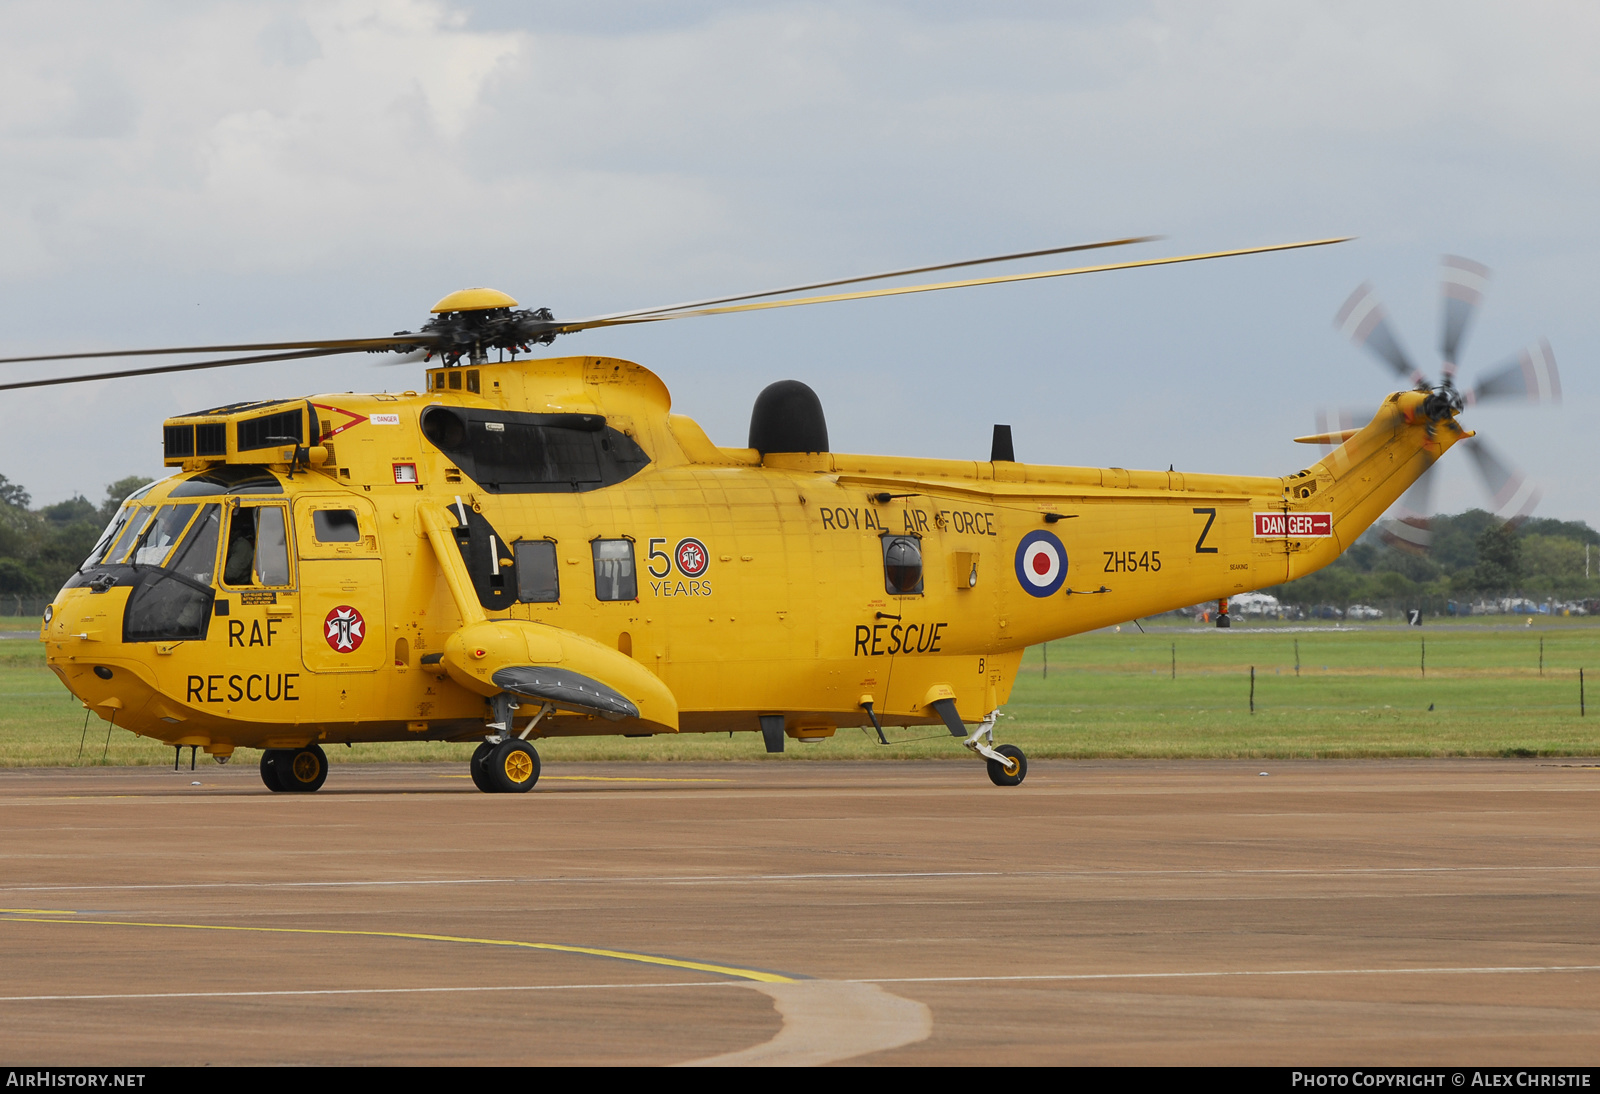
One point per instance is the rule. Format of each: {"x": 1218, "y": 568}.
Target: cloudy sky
{"x": 177, "y": 173}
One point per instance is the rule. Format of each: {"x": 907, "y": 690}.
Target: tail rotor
{"x": 1530, "y": 377}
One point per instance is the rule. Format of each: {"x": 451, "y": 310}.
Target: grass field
{"x": 1359, "y": 692}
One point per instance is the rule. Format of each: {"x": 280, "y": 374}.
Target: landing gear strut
{"x": 1007, "y": 764}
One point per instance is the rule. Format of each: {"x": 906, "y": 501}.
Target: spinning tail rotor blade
{"x": 1512, "y": 496}
{"x": 1532, "y": 376}
{"x": 1409, "y": 526}
{"x": 1364, "y": 321}
{"x": 1463, "y": 281}
{"x": 1341, "y": 419}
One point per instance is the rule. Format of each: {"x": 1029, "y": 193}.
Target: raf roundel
{"x": 1041, "y": 563}
{"x": 693, "y": 558}
{"x": 344, "y": 629}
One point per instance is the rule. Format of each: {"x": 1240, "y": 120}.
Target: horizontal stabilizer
{"x": 565, "y": 688}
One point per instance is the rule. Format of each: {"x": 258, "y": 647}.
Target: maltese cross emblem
{"x": 343, "y": 629}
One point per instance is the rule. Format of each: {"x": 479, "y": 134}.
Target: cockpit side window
{"x": 137, "y": 516}
{"x": 258, "y": 547}
{"x": 108, "y": 537}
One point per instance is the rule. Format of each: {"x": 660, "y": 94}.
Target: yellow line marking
{"x": 605, "y": 779}
{"x": 622, "y": 779}
{"x": 472, "y": 988}
{"x": 38, "y": 911}
{"x": 619, "y": 955}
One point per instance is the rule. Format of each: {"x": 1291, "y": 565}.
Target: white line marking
{"x": 1068, "y": 977}
{"x": 1221, "y": 974}
{"x": 740, "y": 879}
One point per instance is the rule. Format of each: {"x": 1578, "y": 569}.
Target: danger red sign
{"x": 1294, "y": 525}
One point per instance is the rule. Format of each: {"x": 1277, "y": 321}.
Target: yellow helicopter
{"x": 528, "y": 548}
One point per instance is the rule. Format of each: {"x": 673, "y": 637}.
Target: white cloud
{"x": 191, "y": 171}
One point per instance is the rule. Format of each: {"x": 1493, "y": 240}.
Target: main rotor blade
{"x": 333, "y": 345}
{"x": 192, "y": 366}
{"x": 1532, "y": 376}
{"x": 1511, "y": 494}
{"x": 877, "y": 277}
{"x": 1364, "y": 321}
{"x": 1462, "y": 281}
{"x": 1409, "y": 525}
{"x": 602, "y": 321}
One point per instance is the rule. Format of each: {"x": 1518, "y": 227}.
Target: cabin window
{"x": 515, "y": 453}
{"x": 614, "y": 575}
{"x": 538, "y": 581}
{"x": 902, "y": 565}
{"x": 258, "y": 547}
{"x": 336, "y": 526}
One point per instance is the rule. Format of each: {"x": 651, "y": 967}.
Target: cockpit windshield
{"x": 160, "y": 534}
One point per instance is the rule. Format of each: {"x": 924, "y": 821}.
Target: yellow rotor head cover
{"x": 474, "y": 300}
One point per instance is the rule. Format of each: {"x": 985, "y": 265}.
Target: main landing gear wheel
{"x": 299, "y": 769}
{"x": 1013, "y": 771}
{"x": 269, "y": 769}
{"x": 478, "y": 766}
{"x": 510, "y": 767}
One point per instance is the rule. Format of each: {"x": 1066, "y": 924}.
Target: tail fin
{"x": 1365, "y": 475}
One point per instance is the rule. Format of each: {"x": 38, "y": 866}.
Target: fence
{"x": 12, "y": 604}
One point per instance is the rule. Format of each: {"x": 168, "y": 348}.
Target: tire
{"x": 269, "y": 769}
{"x": 302, "y": 769}
{"x": 512, "y": 767}
{"x": 997, "y": 772}
{"x": 478, "y": 767}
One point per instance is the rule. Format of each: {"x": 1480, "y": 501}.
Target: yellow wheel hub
{"x": 519, "y": 766}
{"x": 305, "y": 767}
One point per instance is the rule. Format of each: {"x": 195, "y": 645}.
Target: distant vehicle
{"x": 1254, "y": 604}
{"x": 1362, "y": 611}
{"x": 1326, "y": 611}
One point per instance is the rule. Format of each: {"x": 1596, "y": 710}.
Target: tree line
{"x": 40, "y": 548}
{"x": 1475, "y": 557}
